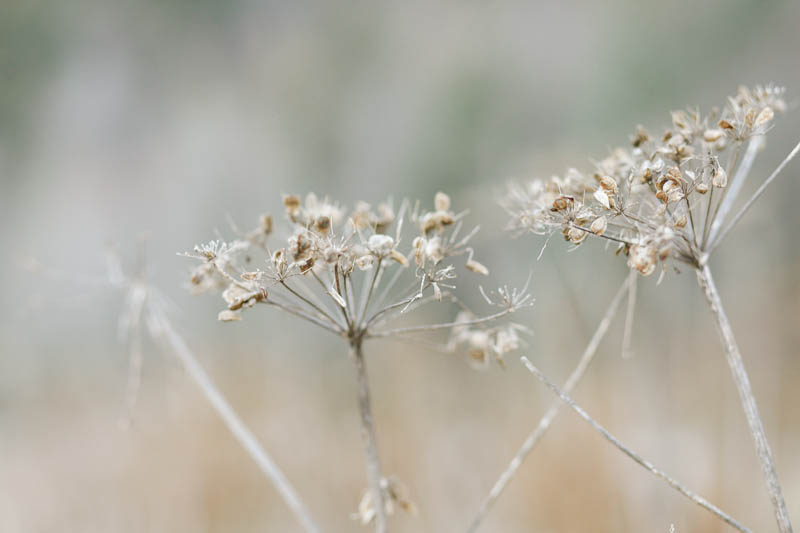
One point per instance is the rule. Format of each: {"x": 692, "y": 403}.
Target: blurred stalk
{"x": 374, "y": 474}
{"x": 742, "y": 382}
{"x": 544, "y": 424}
{"x": 231, "y": 419}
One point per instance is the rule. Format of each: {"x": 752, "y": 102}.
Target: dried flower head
{"x": 312, "y": 272}
{"x": 651, "y": 199}
{"x": 343, "y": 271}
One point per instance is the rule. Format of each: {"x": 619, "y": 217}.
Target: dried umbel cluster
{"x": 313, "y": 271}
{"x": 662, "y": 198}
{"x": 343, "y": 271}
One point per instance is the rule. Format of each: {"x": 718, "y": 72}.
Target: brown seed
{"x": 599, "y": 225}
{"x": 291, "y": 201}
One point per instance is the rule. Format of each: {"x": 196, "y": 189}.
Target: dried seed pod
{"x": 322, "y": 225}
{"x": 229, "y": 316}
{"x": 477, "y": 267}
{"x": 291, "y": 201}
{"x": 562, "y": 203}
{"x": 609, "y": 184}
{"x": 266, "y": 224}
{"x": 719, "y": 178}
{"x": 764, "y": 117}
{"x": 575, "y": 235}
{"x": 681, "y": 222}
{"x": 750, "y": 118}
{"x": 599, "y": 225}
{"x": 601, "y": 196}
{"x": 713, "y": 135}
{"x": 441, "y": 202}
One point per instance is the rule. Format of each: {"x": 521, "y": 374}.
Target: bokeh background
{"x": 151, "y": 122}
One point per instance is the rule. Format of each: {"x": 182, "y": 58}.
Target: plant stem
{"x": 713, "y": 244}
{"x": 742, "y": 382}
{"x": 641, "y": 461}
{"x": 576, "y": 375}
{"x": 374, "y": 475}
{"x": 231, "y": 419}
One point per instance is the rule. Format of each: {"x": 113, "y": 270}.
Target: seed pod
{"x": 229, "y": 316}
{"x": 575, "y": 235}
{"x": 601, "y": 196}
{"x": 764, "y": 117}
{"x": 719, "y": 177}
{"x": 681, "y": 222}
{"x": 713, "y": 135}
{"x": 322, "y": 225}
{"x": 291, "y": 201}
{"x": 477, "y": 267}
{"x": 750, "y": 118}
{"x": 266, "y": 224}
{"x": 561, "y": 203}
{"x": 702, "y": 188}
{"x": 441, "y": 201}
{"x": 725, "y": 125}
{"x": 609, "y": 184}
{"x": 599, "y": 225}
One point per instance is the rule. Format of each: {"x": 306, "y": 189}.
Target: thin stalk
{"x": 368, "y": 295}
{"x": 306, "y": 316}
{"x": 374, "y": 474}
{"x": 641, "y": 461}
{"x": 545, "y": 422}
{"x": 630, "y": 315}
{"x": 755, "y": 196}
{"x": 742, "y": 382}
{"x": 735, "y": 185}
{"x": 446, "y": 325}
{"x": 234, "y": 424}
{"x": 314, "y": 306}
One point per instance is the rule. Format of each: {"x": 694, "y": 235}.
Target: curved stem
{"x": 755, "y": 196}
{"x": 536, "y": 435}
{"x": 234, "y": 423}
{"x": 374, "y": 474}
{"x": 641, "y": 461}
{"x": 742, "y": 382}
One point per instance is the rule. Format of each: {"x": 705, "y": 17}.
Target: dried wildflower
{"x": 342, "y": 272}
{"x": 651, "y": 199}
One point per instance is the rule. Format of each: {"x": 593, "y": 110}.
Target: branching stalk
{"x": 742, "y": 382}
{"x": 715, "y": 242}
{"x": 545, "y": 422}
{"x": 672, "y": 482}
{"x": 446, "y": 325}
{"x": 234, "y": 424}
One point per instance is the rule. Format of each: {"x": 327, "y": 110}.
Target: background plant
{"x": 650, "y": 200}
{"x": 317, "y": 276}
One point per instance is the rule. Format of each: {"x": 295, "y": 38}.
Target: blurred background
{"x": 152, "y": 122}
